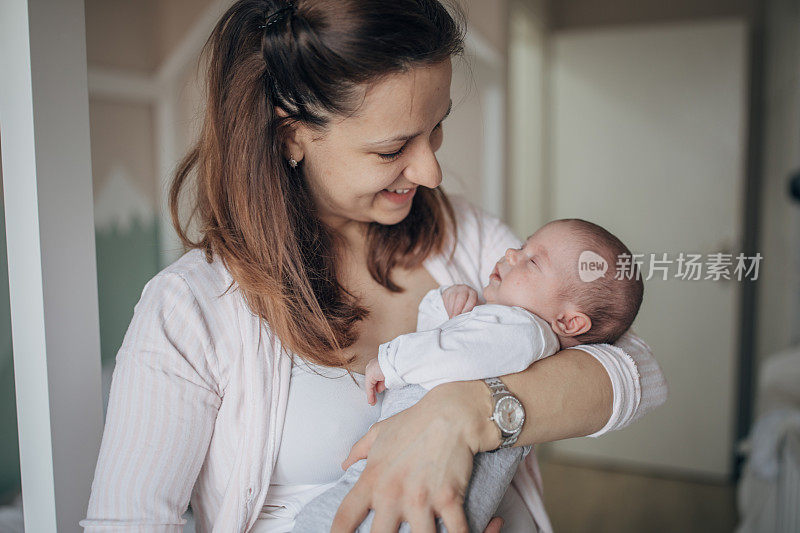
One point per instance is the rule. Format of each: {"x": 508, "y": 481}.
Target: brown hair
{"x": 612, "y": 304}
{"x": 255, "y": 211}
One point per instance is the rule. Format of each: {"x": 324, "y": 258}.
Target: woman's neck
{"x": 350, "y": 237}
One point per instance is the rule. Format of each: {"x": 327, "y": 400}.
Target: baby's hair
{"x": 611, "y": 304}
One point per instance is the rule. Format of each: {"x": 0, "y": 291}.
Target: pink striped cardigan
{"x": 200, "y": 389}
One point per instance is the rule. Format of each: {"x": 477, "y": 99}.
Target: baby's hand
{"x": 374, "y": 380}
{"x": 459, "y": 299}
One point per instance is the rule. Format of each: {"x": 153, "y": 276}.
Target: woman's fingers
{"x": 413, "y": 466}
{"x": 361, "y": 448}
{"x": 386, "y": 522}
{"x": 494, "y": 525}
{"x": 454, "y": 518}
{"x": 422, "y": 520}
{"x": 353, "y": 509}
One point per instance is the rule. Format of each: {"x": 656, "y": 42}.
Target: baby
{"x": 536, "y": 303}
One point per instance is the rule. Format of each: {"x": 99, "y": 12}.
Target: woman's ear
{"x": 571, "y": 323}
{"x": 294, "y": 146}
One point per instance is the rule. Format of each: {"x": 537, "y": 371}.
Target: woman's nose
{"x": 423, "y": 168}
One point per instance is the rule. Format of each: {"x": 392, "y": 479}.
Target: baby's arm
{"x": 432, "y": 313}
{"x": 436, "y": 307}
{"x": 489, "y": 341}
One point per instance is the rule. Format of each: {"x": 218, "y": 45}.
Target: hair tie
{"x": 278, "y": 16}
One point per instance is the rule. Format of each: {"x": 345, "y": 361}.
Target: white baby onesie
{"x": 491, "y": 340}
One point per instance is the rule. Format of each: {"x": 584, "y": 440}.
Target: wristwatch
{"x": 508, "y": 413}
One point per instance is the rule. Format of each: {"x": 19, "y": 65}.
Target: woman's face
{"x": 368, "y": 166}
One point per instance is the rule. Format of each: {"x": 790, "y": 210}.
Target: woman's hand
{"x": 420, "y": 462}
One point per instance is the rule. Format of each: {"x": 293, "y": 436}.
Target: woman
{"x": 321, "y": 226}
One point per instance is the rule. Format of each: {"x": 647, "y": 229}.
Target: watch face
{"x": 509, "y": 414}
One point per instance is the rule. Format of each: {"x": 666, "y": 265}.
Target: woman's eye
{"x": 393, "y": 155}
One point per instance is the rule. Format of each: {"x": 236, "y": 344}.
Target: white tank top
{"x": 326, "y": 414}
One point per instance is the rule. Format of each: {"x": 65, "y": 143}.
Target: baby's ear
{"x": 571, "y": 323}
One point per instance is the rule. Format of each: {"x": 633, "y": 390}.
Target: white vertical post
{"x": 169, "y": 244}
{"x": 44, "y": 127}
{"x": 493, "y": 118}
{"x": 529, "y": 192}
{"x": 494, "y": 168}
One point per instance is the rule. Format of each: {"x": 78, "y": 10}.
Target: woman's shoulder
{"x": 180, "y": 326}
{"x": 192, "y": 304}
{"x": 192, "y": 283}
{"x": 194, "y": 267}
{"x": 202, "y": 277}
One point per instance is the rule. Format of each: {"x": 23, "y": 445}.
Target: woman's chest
{"x": 326, "y": 413}
{"x": 390, "y": 313}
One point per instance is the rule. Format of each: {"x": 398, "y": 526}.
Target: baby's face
{"x": 530, "y": 277}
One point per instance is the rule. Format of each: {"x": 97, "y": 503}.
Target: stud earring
{"x": 292, "y": 163}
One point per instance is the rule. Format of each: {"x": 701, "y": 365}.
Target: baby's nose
{"x": 511, "y": 255}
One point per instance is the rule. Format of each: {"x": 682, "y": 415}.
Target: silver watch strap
{"x": 498, "y": 387}
{"x": 510, "y": 441}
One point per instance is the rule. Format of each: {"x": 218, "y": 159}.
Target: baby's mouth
{"x": 495, "y": 274}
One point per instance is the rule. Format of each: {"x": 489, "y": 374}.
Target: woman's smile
{"x": 398, "y": 196}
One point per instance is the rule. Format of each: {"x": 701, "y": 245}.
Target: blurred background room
{"x": 675, "y": 125}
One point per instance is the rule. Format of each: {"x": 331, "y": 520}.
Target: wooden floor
{"x": 580, "y": 498}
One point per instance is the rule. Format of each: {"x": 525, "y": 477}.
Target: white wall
{"x": 647, "y": 128}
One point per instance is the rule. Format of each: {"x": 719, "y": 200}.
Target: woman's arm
{"x": 566, "y": 395}
{"x": 587, "y": 390}
{"x": 161, "y": 414}
{"x": 419, "y": 461}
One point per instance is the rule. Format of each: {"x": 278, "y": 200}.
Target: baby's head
{"x": 543, "y": 277}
